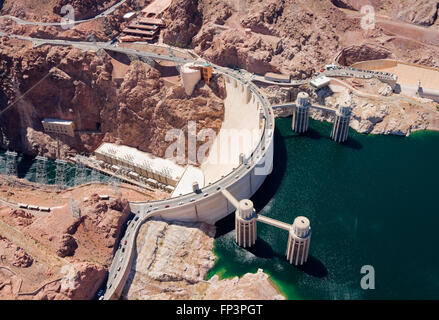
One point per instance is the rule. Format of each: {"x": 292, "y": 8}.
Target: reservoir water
{"x": 372, "y": 201}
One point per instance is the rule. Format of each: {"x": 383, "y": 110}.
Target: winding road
{"x": 143, "y": 211}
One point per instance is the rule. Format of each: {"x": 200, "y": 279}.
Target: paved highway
{"x": 315, "y": 106}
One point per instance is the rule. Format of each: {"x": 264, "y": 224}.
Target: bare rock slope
{"x": 172, "y": 262}
{"x": 65, "y": 83}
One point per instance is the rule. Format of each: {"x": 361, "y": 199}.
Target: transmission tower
{"x": 11, "y": 163}
{"x": 41, "y": 172}
{"x": 80, "y": 173}
{"x": 60, "y": 175}
{"x": 114, "y": 181}
{"x": 3, "y": 164}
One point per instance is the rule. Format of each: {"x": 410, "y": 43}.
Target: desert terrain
{"x": 172, "y": 261}
{"x": 64, "y": 253}
{"x": 119, "y": 99}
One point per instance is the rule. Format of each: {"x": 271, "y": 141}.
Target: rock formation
{"x": 69, "y": 84}
{"x": 172, "y": 262}
{"x": 85, "y": 244}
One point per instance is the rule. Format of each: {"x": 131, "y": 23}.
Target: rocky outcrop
{"x": 69, "y": 84}
{"x": 251, "y": 286}
{"x": 183, "y": 22}
{"x": 148, "y": 108}
{"x": 424, "y": 13}
{"x": 22, "y": 259}
{"x": 67, "y": 246}
{"x": 85, "y": 244}
{"x": 66, "y": 83}
{"x": 11, "y": 254}
{"x": 80, "y": 282}
{"x": 172, "y": 262}
{"x": 232, "y": 47}
{"x": 353, "y": 54}
{"x": 84, "y": 9}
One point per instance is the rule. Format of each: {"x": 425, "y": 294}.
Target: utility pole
{"x": 80, "y": 173}
{"x": 40, "y": 171}
{"x": 60, "y": 176}
{"x": 11, "y": 163}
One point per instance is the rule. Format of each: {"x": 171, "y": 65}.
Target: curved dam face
{"x": 240, "y": 158}
{"x": 246, "y": 108}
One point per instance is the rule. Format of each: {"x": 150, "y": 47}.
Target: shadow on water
{"x": 353, "y": 144}
{"x": 314, "y": 267}
{"x": 266, "y": 191}
{"x": 310, "y": 133}
{"x": 261, "y": 249}
{"x": 272, "y": 183}
{"x": 24, "y": 165}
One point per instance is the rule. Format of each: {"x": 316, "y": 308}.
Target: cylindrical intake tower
{"x": 300, "y": 120}
{"x": 245, "y": 224}
{"x": 340, "y": 129}
{"x": 298, "y": 241}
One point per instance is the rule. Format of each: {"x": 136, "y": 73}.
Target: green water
{"x": 27, "y": 167}
{"x": 373, "y": 201}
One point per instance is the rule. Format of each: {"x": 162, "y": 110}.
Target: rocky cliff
{"x": 65, "y": 83}
{"x": 172, "y": 262}
{"x": 67, "y": 256}
{"x": 298, "y": 36}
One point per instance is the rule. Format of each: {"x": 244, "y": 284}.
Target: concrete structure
{"x": 206, "y": 71}
{"x": 59, "y": 126}
{"x": 147, "y": 27}
{"x": 333, "y": 70}
{"x": 409, "y": 76}
{"x": 298, "y": 241}
{"x": 191, "y": 175}
{"x": 320, "y": 82}
{"x": 129, "y": 16}
{"x": 276, "y": 77}
{"x": 209, "y": 204}
{"x": 245, "y": 229}
{"x": 341, "y": 124}
{"x": 245, "y": 224}
{"x": 190, "y": 75}
{"x": 144, "y": 164}
{"x": 300, "y": 119}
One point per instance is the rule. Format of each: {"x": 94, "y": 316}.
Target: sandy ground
{"x": 409, "y": 75}
{"x": 429, "y": 36}
{"x": 157, "y": 6}
{"x": 35, "y": 239}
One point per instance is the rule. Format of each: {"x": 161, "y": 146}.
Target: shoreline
{"x": 434, "y": 129}
{"x": 277, "y": 284}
